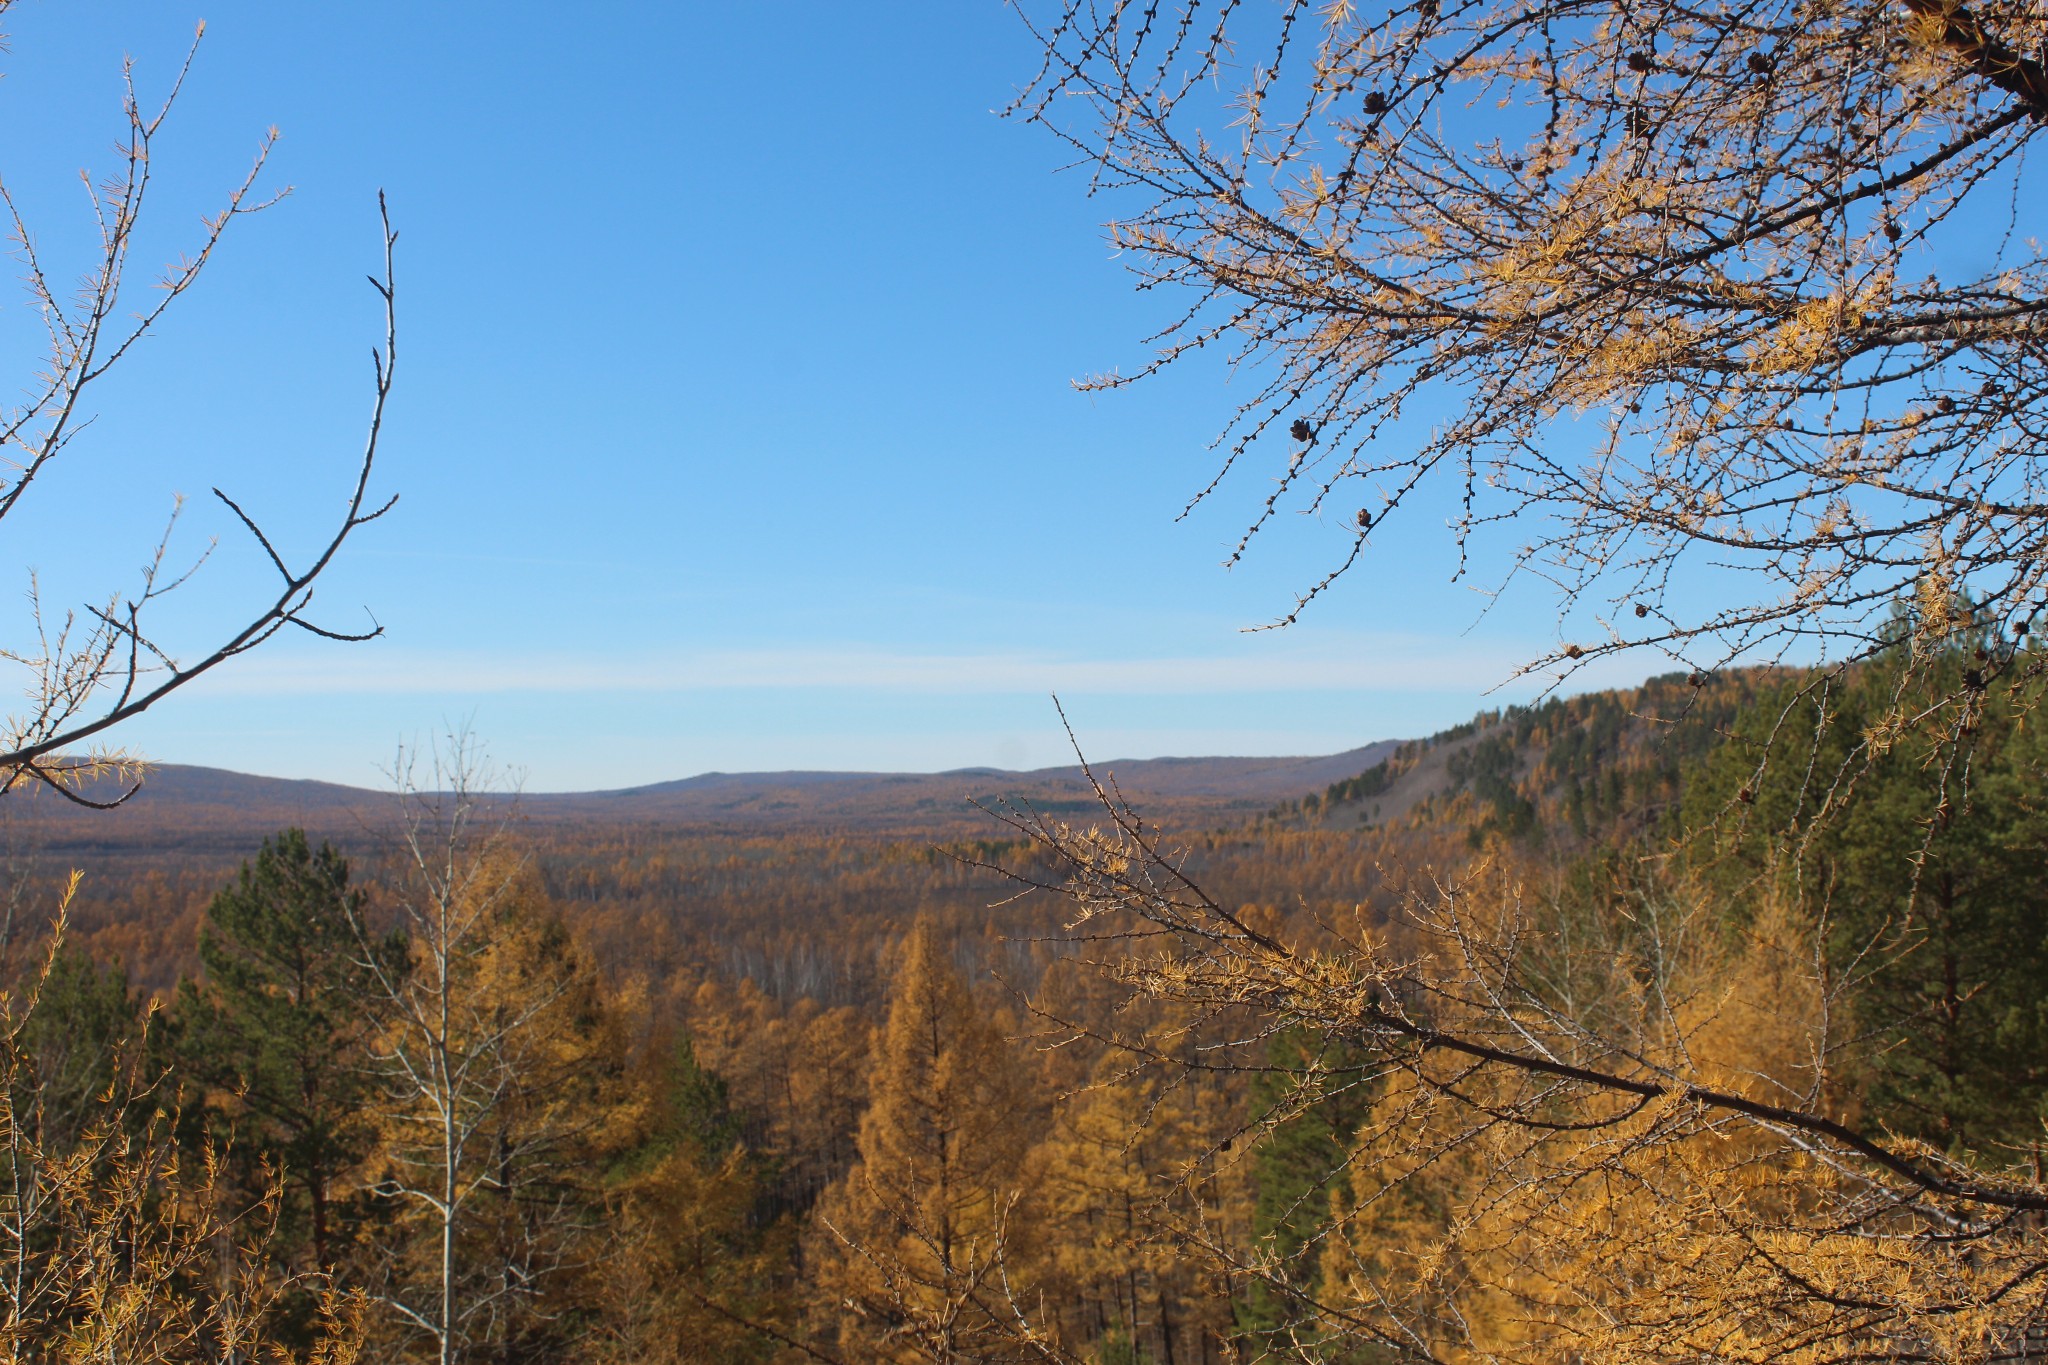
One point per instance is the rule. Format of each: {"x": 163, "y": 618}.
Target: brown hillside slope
{"x": 798, "y": 881}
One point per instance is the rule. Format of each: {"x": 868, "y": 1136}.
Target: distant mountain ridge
{"x": 1210, "y": 776}
{"x": 1582, "y": 763}
{"x": 748, "y": 866}
{"x": 203, "y": 811}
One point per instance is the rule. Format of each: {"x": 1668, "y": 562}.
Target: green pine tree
{"x": 1315, "y": 1082}
{"x": 1933, "y": 875}
{"x": 696, "y": 1107}
{"x": 86, "y": 1049}
{"x": 276, "y": 1035}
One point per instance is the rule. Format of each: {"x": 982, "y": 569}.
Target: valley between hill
{"x": 799, "y": 881}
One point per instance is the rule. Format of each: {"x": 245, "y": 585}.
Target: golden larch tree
{"x": 1724, "y": 321}
{"x": 921, "y": 1235}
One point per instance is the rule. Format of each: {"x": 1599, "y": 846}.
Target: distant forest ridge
{"x": 184, "y": 804}
{"x": 794, "y": 881}
{"x": 185, "y": 816}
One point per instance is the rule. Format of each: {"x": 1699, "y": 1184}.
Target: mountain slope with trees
{"x": 705, "y": 1098}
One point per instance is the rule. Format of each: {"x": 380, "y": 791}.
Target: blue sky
{"x": 735, "y": 426}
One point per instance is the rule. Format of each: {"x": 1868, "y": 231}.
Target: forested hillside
{"x": 734, "y": 876}
{"x": 734, "y": 1052}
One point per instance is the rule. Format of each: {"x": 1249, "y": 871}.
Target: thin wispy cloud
{"x": 1380, "y": 664}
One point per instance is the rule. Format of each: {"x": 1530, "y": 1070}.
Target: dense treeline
{"x": 450, "y": 1121}
{"x": 801, "y": 913}
{"x": 782, "y": 1098}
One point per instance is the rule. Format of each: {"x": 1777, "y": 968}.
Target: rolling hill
{"x": 792, "y": 879}
{"x": 181, "y": 812}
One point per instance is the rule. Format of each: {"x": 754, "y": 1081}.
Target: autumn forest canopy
{"x": 1701, "y": 1019}
{"x": 757, "y": 1096}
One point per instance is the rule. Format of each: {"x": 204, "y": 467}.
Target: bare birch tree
{"x": 496, "y": 1068}
{"x": 1727, "y": 321}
